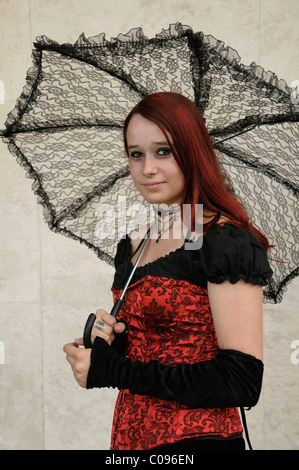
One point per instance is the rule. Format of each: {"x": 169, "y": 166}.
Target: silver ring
{"x": 100, "y": 325}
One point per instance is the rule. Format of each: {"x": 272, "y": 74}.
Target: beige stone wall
{"x": 49, "y": 284}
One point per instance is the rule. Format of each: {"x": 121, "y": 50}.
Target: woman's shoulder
{"x": 227, "y": 236}
{"x": 230, "y": 252}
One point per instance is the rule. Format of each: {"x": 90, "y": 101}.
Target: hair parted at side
{"x": 193, "y": 151}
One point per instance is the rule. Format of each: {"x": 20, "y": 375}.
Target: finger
{"x": 119, "y": 327}
{"x": 70, "y": 348}
{"x": 105, "y": 317}
{"x": 104, "y": 322}
{"x": 103, "y": 328}
{"x": 79, "y": 342}
{"x": 107, "y": 337}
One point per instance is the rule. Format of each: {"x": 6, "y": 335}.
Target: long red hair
{"x": 192, "y": 149}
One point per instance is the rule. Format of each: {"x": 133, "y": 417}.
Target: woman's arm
{"x": 237, "y": 311}
{"x": 232, "y": 378}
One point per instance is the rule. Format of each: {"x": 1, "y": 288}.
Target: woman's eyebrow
{"x": 163, "y": 142}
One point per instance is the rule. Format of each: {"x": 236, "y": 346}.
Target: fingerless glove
{"x": 231, "y": 379}
{"x": 119, "y": 345}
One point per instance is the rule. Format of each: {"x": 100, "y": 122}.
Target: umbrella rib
{"x": 235, "y": 135}
{"x": 71, "y": 52}
{"x": 252, "y": 121}
{"x": 99, "y": 190}
{"x": 243, "y": 166}
{"x": 271, "y": 173}
{"x": 9, "y": 132}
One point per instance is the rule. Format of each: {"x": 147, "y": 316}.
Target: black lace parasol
{"x": 66, "y": 132}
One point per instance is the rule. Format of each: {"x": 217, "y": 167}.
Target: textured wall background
{"x": 49, "y": 284}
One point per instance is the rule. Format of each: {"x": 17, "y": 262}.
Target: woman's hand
{"x": 111, "y": 326}
{"x": 79, "y": 358}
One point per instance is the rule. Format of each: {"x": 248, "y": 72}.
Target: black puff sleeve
{"x": 232, "y": 253}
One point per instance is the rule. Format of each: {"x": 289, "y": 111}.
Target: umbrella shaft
{"x": 118, "y": 303}
{"x": 135, "y": 265}
{"x": 116, "y": 307}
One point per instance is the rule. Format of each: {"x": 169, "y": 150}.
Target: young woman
{"x": 193, "y": 340}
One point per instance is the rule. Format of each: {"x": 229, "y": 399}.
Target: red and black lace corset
{"x": 168, "y": 316}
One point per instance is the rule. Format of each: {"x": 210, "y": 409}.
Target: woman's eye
{"x": 135, "y": 155}
{"x": 164, "y": 152}
{"x": 161, "y": 152}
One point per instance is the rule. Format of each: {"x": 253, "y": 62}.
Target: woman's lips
{"x": 152, "y": 186}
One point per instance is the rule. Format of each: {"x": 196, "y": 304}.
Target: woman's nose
{"x": 149, "y": 165}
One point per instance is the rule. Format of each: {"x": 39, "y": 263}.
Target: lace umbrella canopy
{"x": 66, "y": 132}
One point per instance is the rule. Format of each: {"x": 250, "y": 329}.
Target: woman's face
{"x": 153, "y": 168}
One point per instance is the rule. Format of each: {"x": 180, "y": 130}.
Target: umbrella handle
{"x": 90, "y": 322}
{"x": 87, "y": 331}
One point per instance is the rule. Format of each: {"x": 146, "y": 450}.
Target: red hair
{"x": 193, "y": 151}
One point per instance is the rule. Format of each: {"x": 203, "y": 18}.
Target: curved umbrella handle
{"x": 87, "y": 331}
{"x": 90, "y": 322}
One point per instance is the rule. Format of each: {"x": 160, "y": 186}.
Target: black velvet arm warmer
{"x": 231, "y": 379}
{"x": 119, "y": 345}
